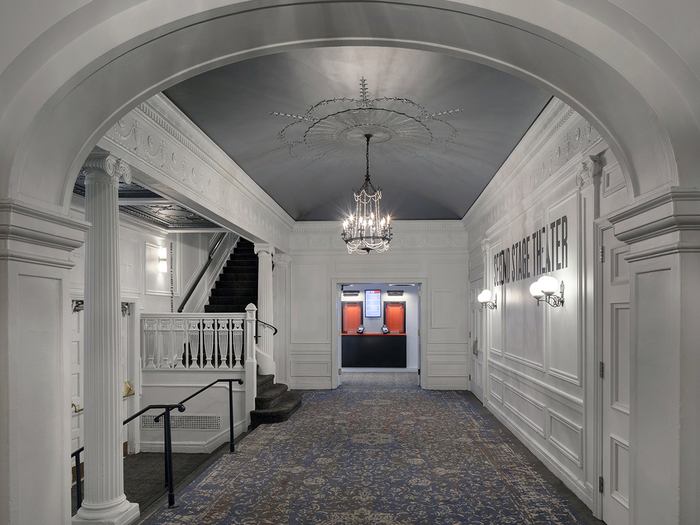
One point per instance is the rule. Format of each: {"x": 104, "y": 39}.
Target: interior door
{"x": 76, "y": 379}
{"x": 124, "y": 345}
{"x": 476, "y": 340}
{"x": 616, "y": 381}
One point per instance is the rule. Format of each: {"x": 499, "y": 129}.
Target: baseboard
{"x": 196, "y": 447}
{"x": 573, "y": 483}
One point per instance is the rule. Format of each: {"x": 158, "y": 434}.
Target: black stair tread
{"x": 281, "y": 412}
{"x": 264, "y": 379}
{"x": 232, "y": 300}
{"x": 273, "y": 391}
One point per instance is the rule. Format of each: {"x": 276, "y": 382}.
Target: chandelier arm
{"x": 368, "y": 136}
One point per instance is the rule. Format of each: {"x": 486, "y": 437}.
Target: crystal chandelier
{"x": 366, "y": 230}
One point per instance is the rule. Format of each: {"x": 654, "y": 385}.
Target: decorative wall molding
{"x": 158, "y": 139}
{"x": 670, "y": 221}
{"x": 408, "y": 236}
{"x": 559, "y": 137}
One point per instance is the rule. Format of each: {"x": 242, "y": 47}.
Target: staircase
{"x": 274, "y": 402}
{"x": 237, "y": 286}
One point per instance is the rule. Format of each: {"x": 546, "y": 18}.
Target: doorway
{"x": 476, "y": 341}
{"x": 378, "y": 329}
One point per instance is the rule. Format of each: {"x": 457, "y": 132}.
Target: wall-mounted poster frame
{"x": 373, "y": 303}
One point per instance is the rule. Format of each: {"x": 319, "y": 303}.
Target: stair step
{"x": 238, "y": 276}
{"x": 234, "y": 291}
{"x": 271, "y": 396}
{"x": 265, "y": 380}
{"x": 290, "y": 403}
{"x": 224, "y": 308}
{"x": 237, "y": 284}
{"x": 233, "y": 299}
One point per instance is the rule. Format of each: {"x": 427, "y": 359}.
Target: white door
{"x": 76, "y": 379}
{"x": 124, "y": 345}
{"x": 616, "y": 381}
{"x": 476, "y": 339}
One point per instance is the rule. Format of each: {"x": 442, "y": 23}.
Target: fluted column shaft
{"x": 104, "y": 501}
{"x": 265, "y": 305}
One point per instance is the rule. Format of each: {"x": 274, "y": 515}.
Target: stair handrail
{"x": 167, "y": 436}
{"x": 194, "y": 285}
{"x": 267, "y": 324}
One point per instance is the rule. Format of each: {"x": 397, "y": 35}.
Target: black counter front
{"x": 374, "y": 351}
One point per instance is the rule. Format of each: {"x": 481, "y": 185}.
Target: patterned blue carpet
{"x": 382, "y": 453}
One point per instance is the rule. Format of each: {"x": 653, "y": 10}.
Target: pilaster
{"x": 282, "y": 301}
{"x": 35, "y": 433}
{"x": 265, "y": 307}
{"x": 104, "y": 502}
{"x": 664, "y": 238}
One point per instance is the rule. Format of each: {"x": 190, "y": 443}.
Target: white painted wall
{"x": 431, "y": 253}
{"x": 374, "y": 325}
{"x": 539, "y": 361}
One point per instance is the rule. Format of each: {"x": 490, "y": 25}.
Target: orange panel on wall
{"x": 352, "y": 316}
{"x": 394, "y": 316}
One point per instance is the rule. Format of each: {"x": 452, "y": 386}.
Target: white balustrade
{"x": 193, "y": 341}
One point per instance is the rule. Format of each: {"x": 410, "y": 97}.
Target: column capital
{"x": 106, "y": 164}
{"x": 590, "y": 168}
{"x": 281, "y": 259}
{"x": 264, "y": 248}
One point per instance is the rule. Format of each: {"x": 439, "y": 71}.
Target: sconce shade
{"x": 536, "y": 290}
{"x": 484, "y": 296}
{"x": 548, "y": 284}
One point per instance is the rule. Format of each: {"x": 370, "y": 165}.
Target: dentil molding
{"x": 160, "y": 140}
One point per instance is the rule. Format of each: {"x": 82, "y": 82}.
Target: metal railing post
{"x": 230, "y": 415}
{"x": 170, "y": 480}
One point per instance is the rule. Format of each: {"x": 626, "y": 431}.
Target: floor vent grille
{"x": 185, "y": 422}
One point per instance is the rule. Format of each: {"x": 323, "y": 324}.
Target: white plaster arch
{"x": 68, "y": 85}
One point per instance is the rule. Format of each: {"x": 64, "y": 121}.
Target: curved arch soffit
{"x": 83, "y": 99}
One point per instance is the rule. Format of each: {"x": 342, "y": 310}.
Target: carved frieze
{"x": 152, "y": 134}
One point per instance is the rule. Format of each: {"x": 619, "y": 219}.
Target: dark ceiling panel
{"x": 291, "y": 121}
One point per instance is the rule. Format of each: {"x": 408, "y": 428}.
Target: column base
{"x": 123, "y": 514}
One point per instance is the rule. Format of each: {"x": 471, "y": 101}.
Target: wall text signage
{"x": 545, "y": 250}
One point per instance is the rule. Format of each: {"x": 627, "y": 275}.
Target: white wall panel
{"x": 566, "y": 437}
{"x": 311, "y": 303}
{"x": 530, "y": 411}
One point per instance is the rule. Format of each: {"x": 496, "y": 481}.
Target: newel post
{"x": 251, "y": 379}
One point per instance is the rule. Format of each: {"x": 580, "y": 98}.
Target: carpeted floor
{"x": 381, "y": 451}
{"x": 144, "y": 475}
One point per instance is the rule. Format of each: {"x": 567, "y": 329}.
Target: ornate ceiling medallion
{"x": 336, "y": 128}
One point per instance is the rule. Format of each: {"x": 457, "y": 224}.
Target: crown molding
{"x": 180, "y": 161}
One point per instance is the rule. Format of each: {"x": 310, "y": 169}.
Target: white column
{"x": 265, "y": 307}
{"x": 104, "y": 502}
{"x": 281, "y": 279}
{"x": 664, "y": 238}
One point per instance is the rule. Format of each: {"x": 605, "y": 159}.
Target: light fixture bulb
{"x": 548, "y": 284}
{"x": 536, "y": 290}
{"x": 484, "y": 296}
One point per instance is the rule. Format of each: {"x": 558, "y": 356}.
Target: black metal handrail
{"x": 167, "y": 436}
{"x": 194, "y": 285}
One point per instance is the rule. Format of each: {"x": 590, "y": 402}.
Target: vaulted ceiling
{"x": 296, "y": 122}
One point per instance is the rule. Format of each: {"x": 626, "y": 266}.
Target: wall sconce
{"x": 544, "y": 288}
{"x": 485, "y": 299}
{"x": 162, "y": 260}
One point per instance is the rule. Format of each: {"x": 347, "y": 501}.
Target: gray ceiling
{"x": 309, "y": 156}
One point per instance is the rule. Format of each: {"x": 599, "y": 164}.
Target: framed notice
{"x": 373, "y": 303}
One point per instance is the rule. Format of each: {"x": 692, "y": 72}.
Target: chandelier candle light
{"x": 366, "y": 230}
